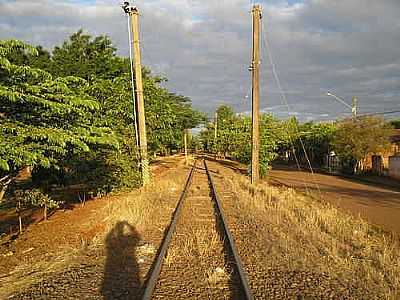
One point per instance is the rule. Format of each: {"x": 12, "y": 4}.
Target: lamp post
{"x": 353, "y": 107}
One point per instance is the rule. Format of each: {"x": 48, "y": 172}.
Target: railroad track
{"x": 213, "y": 270}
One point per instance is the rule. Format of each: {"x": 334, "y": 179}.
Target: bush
{"x": 34, "y": 198}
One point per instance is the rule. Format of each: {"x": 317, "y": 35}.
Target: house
{"x": 387, "y": 163}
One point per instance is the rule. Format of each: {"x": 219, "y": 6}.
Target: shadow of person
{"x": 121, "y": 272}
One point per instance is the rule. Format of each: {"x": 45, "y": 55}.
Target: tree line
{"x": 303, "y": 144}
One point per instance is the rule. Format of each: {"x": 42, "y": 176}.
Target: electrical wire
{"x": 286, "y": 103}
{"x": 379, "y": 113}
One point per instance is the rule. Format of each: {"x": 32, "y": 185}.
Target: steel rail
{"x": 155, "y": 273}
{"x": 239, "y": 266}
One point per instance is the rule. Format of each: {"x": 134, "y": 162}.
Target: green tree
{"x": 234, "y": 137}
{"x": 87, "y": 57}
{"x": 41, "y": 59}
{"x": 395, "y": 124}
{"x": 356, "y": 138}
{"x": 314, "y": 141}
{"x": 167, "y": 115}
{"x": 81, "y": 128}
{"x": 225, "y": 129}
{"x": 43, "y": 120}
{"x": 107, "y": 170}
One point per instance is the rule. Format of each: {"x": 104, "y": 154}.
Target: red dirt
{"x": 64, "y": 228}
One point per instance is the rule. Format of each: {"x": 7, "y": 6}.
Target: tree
{"x": 226, "y": 119}
{"x": 81, "y": 128}
{"x": 314, "y": 142}
{"x": 95, "y": 59}
{"x": 356, "y": 138}
{"x": 43, "y": 120}
{"x": 167, "y": 115}
{"x": 86, "y": 57}
{"x": 234, "y": 137}
{"x": 41, "y": 59}
{"x": 395, "y": 124}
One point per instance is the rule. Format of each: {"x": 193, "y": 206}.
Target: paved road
{"x": 379, "y": 206}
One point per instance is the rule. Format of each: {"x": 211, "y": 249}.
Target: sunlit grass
{"x": 310, "y": 234}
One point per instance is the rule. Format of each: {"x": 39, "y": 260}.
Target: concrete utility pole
{"x": 255, "y": 68}
{"x": 354, "y": 107}
{"x": 215, "y": 132}
{"x": 185, "y": 136}
{"x": 133, "y": 14}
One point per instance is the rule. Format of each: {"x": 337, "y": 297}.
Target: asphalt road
{"x": 378, "y": 205}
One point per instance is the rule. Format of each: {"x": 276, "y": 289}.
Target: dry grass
{"x": 139, "y": 208}
{"x": 171, "y": 256}
{"x": 308, "y": 233}
{"x": 206, "y": 245}
{"x": 142, "y": 207}
{"x": 217, "y": 276}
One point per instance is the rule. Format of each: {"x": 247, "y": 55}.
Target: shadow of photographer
{"x": 121, "y": 272}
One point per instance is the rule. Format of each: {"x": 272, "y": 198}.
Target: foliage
{"x": 70, "y": 114}
{"x": 34, "y": 198}
{"x": 316, "y": 140}
{"x": 395, "y": 124}
{"x": 277, "y": 138}
{"x": 356, "y": 138}
{"x": 167, "y": 115}
{"x": 87, "y": 58}
{"x": 234, "y": 137}
{"x": 107, "y": 169}
{"x": 40, "y": 59}
{"x": 44, "y": 120}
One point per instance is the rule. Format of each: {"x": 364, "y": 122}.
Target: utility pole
{"x": 215, "y": 132}
{"x": 354, "y": 107}
{"x": 185, "y": 134}
{"x": 255, "y": 68}
{"x": 133, "y": 14}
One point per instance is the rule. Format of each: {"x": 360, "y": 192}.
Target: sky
{"x": 347, "y": 47}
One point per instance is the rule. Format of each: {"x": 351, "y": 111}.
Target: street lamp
{"x": 352, "y": 107}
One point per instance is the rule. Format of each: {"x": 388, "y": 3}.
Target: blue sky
{"x": 204, "y": 46}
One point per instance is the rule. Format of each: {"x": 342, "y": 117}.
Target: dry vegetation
{"x": 313, "y": 235}
{"x": 144, "y": 206}
{"x": 148, "y": 208}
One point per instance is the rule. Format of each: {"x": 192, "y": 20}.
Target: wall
{"x": 394, "y": 167}
{"x": 367, "y": 165}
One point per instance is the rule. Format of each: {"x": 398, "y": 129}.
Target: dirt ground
{"x": 380, "y": 206}
{"x": 56, "y": 244}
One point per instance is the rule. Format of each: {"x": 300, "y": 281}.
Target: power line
{"x": 286, "y": 103}
{"x": 380, "y": 113}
